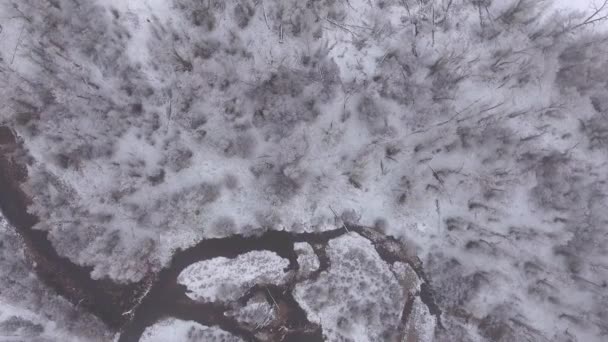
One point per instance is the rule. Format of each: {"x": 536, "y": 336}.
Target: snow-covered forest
{"x": 473, "y": 131}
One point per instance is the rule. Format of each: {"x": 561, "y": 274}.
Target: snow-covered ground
{"x": 579, "y": 5}
{"x": 358, "y": 298}
{"x": 31, "y": 312}
{"x": 355, "y": 294}
{"x": 222, "y": 279}
{"x": 475, "y": 131}
{"x": 185, "y": 331}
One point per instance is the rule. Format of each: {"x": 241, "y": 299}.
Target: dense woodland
{"x": 476, "y": 131}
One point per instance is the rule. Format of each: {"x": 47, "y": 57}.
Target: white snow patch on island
{"x": 307, "y": 259}
{"x": 172, "y": 329}
{"x": 223, "y": 279}
{"x": 357, "y": 298}
{"x": 256, "y": 314}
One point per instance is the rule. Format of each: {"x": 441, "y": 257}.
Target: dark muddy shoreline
{"x": 165, "y": 297}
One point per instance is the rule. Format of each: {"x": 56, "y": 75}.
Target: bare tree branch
{"x": 595, "y": 16}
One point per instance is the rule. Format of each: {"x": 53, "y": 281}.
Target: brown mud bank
{"x": 160, "y": 296}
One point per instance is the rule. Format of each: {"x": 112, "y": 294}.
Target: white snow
{"x": 28, "y": 312}
{"x": 223, "y": 279}
{"x": 358, "y": 297}
{"x": 307, "y": 259}
{"x": 172, "y": 329}
{"x": 421, "y": 323}
{"x": 471, "y": 157}
{"x": 256, "y": 314}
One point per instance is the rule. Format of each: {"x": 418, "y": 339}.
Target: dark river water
{"x": 160, "y": 296}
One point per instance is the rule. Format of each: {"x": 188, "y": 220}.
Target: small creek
{"x": 162, "y": 296}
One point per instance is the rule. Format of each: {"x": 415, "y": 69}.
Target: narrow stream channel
{"x": 164, "y": 297}
{"x": 68, "y": 279}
